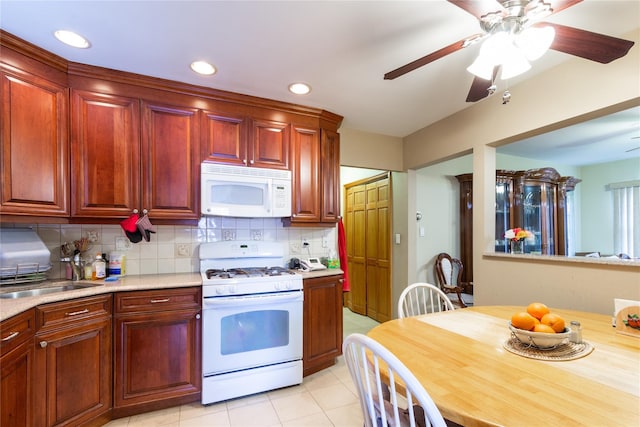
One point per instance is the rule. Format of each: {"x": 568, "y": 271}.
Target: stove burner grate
{"x": 246, "y": 272}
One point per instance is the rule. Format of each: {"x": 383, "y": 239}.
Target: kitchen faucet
{"x": 76, "y": 266}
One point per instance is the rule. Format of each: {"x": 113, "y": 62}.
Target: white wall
{"x": 597, "y": 226}
{"x": 370, "y": 150}
{"x": 437, "y": 198}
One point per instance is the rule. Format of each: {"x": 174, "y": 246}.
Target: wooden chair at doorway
{"x": 449, "y": 274}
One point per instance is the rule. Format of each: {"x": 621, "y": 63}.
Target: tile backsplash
{"x": 174, "y": 248}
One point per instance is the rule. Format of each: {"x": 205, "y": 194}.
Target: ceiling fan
{"x": 515, "y": 26}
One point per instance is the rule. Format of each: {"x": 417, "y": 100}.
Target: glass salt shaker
{"x": 576, "y": 332}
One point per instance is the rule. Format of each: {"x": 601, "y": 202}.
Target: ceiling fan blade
{"x": 559, "y": 5}
{"x": 478, "y": 8}
{"x": 420, "y": 62}
{"x": 585, "y": 44}
{"x": 480, "y": 87}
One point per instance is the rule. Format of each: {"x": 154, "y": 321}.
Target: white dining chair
{"x": 370, "y": 364}
{"x": 422, "y": 298}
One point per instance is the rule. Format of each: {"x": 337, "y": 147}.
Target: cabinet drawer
{"x": 16, "y": 330}
{"x": 158, "y": 300}
{"x": 63, "y": 313}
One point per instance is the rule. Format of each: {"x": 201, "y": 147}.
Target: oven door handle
{"x": 254, "y": 299}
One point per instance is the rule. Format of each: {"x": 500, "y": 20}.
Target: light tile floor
{"x": 326, "y": 398}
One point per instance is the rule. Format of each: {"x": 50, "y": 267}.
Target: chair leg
{"x": 462, "y": 304}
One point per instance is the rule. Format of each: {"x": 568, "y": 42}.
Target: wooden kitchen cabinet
{"x": 73, "y": 362}
{"x": 129, "y": 154}
{"x": 306, "y": 197}
{"x": 157, "y": 349}
{"x": 244, "y": 141}
{"x": 322, "y": 341}
{"x": 330, "y": 163}
{"x": 105, "y": 147}
{"x": 16, "y": 366}
{"x": 35, "y": 153}
{"x": 170, "y": 161}
{"x": 315, "y": 176}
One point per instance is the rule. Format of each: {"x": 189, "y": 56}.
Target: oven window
{"x": 254, "y": 330}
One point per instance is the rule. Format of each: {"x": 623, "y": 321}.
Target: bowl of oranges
{"x": 538, "y": 327}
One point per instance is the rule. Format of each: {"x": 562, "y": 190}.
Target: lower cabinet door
{"x": 322, "y": 341}
{"x": 15, "y": 391}
{"x": 157, "y": 360}
{"x": 73, "y": 374}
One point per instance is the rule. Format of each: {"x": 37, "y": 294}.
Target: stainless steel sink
{"x": 43, "y": 291}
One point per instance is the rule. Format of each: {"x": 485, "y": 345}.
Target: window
{"x": 626, "y": 217}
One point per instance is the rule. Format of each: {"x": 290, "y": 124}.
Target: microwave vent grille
{"x": 245, "y": 171}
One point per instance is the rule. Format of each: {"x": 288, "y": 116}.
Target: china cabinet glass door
{"x": 538, "y": 217}
{"x": 504, "y": 201}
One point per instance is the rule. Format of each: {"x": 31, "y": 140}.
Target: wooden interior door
{"x": 355, "y": 236}
{"x": 368, "y": 231}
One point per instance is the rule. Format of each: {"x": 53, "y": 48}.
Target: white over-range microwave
{"x": 243, "y": 191}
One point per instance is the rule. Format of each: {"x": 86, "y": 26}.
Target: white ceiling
{"x": 341, "y": 48}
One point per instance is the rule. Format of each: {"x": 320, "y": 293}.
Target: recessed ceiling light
{"x": 72, "y": 39}
{"x": 299, "y": 88}
{"x": 202, "y": 67}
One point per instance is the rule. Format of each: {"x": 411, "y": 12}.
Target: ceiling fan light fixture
{"x": 203, "y": 67}
{"x": 534, "y": 42}
{"x": 72, "y": 39}
{"x": 482, "y": 68}
{"x": 515, "y": 65}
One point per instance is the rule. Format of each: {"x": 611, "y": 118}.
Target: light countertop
{"x": 11, "y": 307}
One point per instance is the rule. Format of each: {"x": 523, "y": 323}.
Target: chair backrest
{"x": 448, "y": 270}
{"x": 370, "y": 365}
{"x": 422, "y": 298}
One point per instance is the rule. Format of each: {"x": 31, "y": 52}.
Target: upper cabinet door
{"x": 330, "y": 145}
{"x": 35, "y": 154}
{"x": 269, "y": 145}
{"x": 105, "y": 154}
{"x": 306, "y": 175}
{"x": 238, "y": 140}
{"x": 224, "y": 138}
{"x": 170, "y": 162}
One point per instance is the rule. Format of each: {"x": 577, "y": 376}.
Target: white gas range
{"x": 252, "y": 319}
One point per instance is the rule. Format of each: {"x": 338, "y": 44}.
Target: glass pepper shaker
{"x": 576, "y": 332}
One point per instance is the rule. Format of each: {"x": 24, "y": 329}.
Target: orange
{"x": 537, "y": 309}
{"x": 556, "y": 322}
{"x": 523, "y": 320}
{"x": 543, "y": 328}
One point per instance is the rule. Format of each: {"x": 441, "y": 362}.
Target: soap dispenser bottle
{"x": 99, "y": 270}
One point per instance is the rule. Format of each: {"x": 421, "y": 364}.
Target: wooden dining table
{"x": 460, "y": 358}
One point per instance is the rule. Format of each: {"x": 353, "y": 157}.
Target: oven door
{"x": 249, "y": 331}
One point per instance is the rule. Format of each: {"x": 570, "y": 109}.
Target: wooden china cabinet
{"x": 538, "y": 200}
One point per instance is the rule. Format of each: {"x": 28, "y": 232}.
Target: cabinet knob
{"x": 244, "y": 161}
{"x": 198, "y": 316}
{"x": 251, "y": 162}
{"x": 43, "y": 344}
